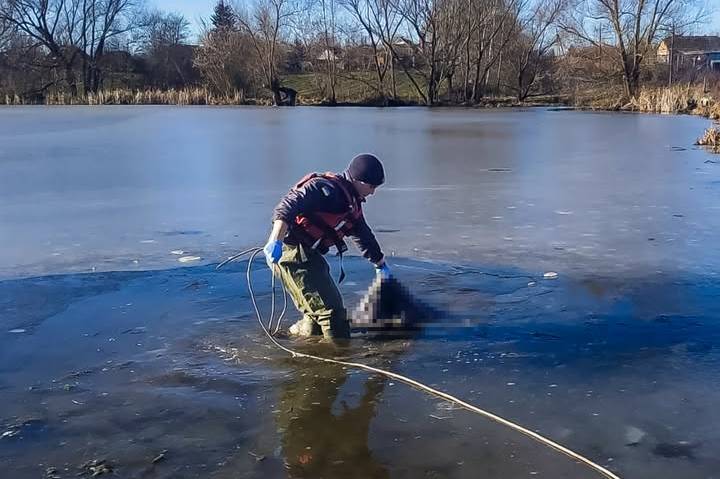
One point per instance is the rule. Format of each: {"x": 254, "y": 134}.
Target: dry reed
{"x": 711, "y": 139}
{"x": 182, "y": 97}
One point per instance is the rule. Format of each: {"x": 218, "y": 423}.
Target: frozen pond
{"x": 158, "y": 368}
{"x": 120, "y": 188}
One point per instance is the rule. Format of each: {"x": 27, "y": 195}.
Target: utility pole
{"x": 672, "y": 47}
{"x": 600, "y": 46}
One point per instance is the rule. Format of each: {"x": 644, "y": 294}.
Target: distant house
{"x": 365, "y": 56}
{"x": 405, "y": 50}
{"x": 358, "y": 57}
{"x": 329, "y": 55}
{"x": 685, "y": 51}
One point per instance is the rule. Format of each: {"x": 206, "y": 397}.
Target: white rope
{"x": 418, "y": 385}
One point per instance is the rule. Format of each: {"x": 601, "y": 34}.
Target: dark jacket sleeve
{"x": 299, "y": 200}
{"x": 365, "y": 241}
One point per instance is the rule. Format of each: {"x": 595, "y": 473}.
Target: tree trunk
{"x": 631, "y": 78}
{"x": 431, "y": 87}
{"x": 520, "y": 86}
{"x": 379, "y": 72}
{"x": 96, "y": 74}
{"x": 477, "y": 93}
{"x": 392, "y": 78}
{"x": 466, "y": 72}
{"x": 333, "y": 82}
{"x": 486, "y": 76}
{"x": 85, "y": 74}
{"x": 497, "y": 80}
{"x": 71, "y": 80}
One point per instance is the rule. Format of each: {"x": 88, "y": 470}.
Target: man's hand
{"x": 273, "y": 248}
{"x": 273, "y": 252}
{"x": 383, "y": 270}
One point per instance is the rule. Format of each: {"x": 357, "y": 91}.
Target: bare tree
{"x": 328, "y": 26}
{"x": 71, "y": 31}
{"x": 223, "y": 61}
{"x": 497, "y": 25}
{"x": 434, "y": 33}
{"x": 6, "y": 31}
{"x": 48, "y": 24}
{"x": 160, "y": 29}
{"x": 635, "y": 25}
{"x": 380, "y": 21}
{"x": 20, "y": 62}
{"x": 100, "y": 22}
{"x": 317, "y": 26}
{"x": 265, "y": 25}
{"x": 533, "y": 44}
{"x": 162, "y": 38}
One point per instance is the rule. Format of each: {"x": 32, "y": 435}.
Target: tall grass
{"x": 678, "y": 99}
{"x": 12, "y": 100}
{"x": 711, "y": 139}
{"x": 663, "y": 100}
{"x": 187, "y": 96}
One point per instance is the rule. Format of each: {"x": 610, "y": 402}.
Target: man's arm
{"x": 299, "y": 200}
{"x": 365, "y": 240}
{"x": 295, "y": 202}
{"x": 279, "y": 230}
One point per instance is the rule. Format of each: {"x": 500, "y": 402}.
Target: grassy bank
{"x": 356, "y": 88}
{"x": 360, "y": 88}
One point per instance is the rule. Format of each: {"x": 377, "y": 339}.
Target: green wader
{"x": 306, "y": 276}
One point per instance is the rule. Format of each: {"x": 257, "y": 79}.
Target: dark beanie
{"x": 367, "y": 168}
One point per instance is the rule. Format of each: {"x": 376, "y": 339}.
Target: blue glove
{"x": 273, "y": 252}
{"x": 384, "y": 271}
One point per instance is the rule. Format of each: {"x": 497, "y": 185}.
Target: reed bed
{"x": 181, "y": 97}
{"x": 711, "y": 139}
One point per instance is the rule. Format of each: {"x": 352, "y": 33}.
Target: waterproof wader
{"x": 306, "y": 276}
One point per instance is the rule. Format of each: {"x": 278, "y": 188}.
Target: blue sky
{"x": 189, "y": 8}
{"x": 193, "y": 10}
{"x": 714, "y": 26}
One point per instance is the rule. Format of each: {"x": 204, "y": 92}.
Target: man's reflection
{"x": 321, "y": 439}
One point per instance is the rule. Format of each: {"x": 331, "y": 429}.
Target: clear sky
{"x": 193, "y": 10}
{"x": 714, "y": 26}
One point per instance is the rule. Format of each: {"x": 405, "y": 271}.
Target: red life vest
{"x": 320, "y": 230}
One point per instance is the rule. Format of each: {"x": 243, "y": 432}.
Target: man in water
{"x": 314, "y": 216}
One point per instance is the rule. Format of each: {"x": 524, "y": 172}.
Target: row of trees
{"x": 448, "y": 50}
